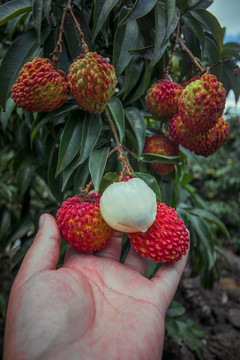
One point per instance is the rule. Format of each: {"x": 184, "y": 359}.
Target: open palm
{"x": 93, "y": 307}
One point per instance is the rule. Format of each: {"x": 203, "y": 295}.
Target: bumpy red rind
{"x": 167, "y": 240}
{"x": 82, "y": 225}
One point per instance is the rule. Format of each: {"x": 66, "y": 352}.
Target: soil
{"x": 217, "y": 311}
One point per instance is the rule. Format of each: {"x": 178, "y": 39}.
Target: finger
{"x": 44, "y": 252}
{"x": 136, "y": 262}
{"x": 114, "y": 247}
{"x": 167, "y": 279}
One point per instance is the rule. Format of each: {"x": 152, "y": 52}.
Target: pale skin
{"x": 93, "y": 307}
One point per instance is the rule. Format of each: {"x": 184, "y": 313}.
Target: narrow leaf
{"x": 70, "y": 141}
{"x": 126, "y": 38}
{"x": 37, "y": 11}
{"x": 107, "y": 180}
{"x": 170, "y": 5}
{"x": 97, "y": 164}
{"x": 13, "y": 8}
{"x": 116, "y": 109}
{"x": 136, "y": 120}
{"x": 46, "y": 9}
{"x": 102, "y": 8}
{"x": 132, "y": 74}
{"x": 140, "y": 9}
{"x": 91, "y": 131}
{"x": 53, "y": 116}
{"x": 160, "y": 33}
{"x": 147, "y": 157}
{"x": 196, "y": 27}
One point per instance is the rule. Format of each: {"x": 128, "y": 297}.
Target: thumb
{"x": 44, "y": 252}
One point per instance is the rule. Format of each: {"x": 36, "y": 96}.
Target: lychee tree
{"x": 94, "y": 91}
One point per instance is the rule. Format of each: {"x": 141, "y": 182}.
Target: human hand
{"x": 93, "y": 307}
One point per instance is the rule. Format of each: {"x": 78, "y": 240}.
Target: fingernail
{"x": 41, "y": 221}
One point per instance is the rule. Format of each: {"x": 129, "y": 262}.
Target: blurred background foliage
{"x": 39, "y": 168}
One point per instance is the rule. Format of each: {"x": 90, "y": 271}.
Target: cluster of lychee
{"x": 91, "y": 80}
{"x": 194, "y": 114}
{"x": 154, "y": 229}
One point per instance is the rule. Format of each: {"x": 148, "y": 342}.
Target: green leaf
{"x": 175, "y": 309}
{"x": 53, "y": 116}
{"x": 13, "y": 8}
{"x": 6, "y": 115}
{"x": 211, "y": 23}
{"x": 81, "y": 176}
{"x": 132, "y": 74}
{"x": 140, "y": 9}
{"x": 136, "y": 120}
{"x": 213, "y": 54}
{"x": 102, "y": 8}
{"x": 201, "y": 4}
{"x": 126, "y": 38}
{"x": 70, "y": 141}
{"x": 19, "y": 255}
{"x": 231, "y": 49}
{"x": 18, "y": 54}
{"x": 211, "y": 219}
{"x": 92, "y": 128}
{"x": 97, "y": 164}
{"x": 152, "y": 183}
{"x": 66, "y": 175}
{"x": 126, "y": 246}
{"x": 37, "y": 11}
{"x": 170, "y": 5}
{"x": 47, "y": 8}
{"x": 54, "y": 183}
{"x": 147, "y": 157}
{"x": 160, "y": 33}
{"x": 107, "y": 180}
{"x": 24, "y": 179}
{"x": 205, "y": 237}
{"x": 142, "y": 86}
{"x": 117, "y": 114}
{"x": 195, "y": 26}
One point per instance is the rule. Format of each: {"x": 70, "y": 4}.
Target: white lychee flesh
{"x": 129, "y": 206}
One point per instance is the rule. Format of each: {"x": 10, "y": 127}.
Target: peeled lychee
{"x": 92, "y": 81}
{"x": 166, "y": 240}
{"x": 82, "y": 225}
{"x": 40, "y": 87}
{"x": 202, "y": 103}
{"x": 202, "y": 144}
{"x": 161, "y": 145}
{"x": 129, "y": 206}
{"x": 162, "y": 98}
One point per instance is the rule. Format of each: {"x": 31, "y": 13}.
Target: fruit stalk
{"x": 195, "y": 60}
{"x": 167, "y": 69}
{"x": 84, "y": 46}
{"x": 122, "y": 156}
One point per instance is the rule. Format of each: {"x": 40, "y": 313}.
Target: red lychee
{"x": 92, "y": 81}
{"x": 202, "y": 144}
{"x": 162, "y": 98}
{"x": 40, "y": 87}
{"x": 82, "y": 225}
{"x": 201, "y": 103}
{"x": 166, "y": 240}
{"x": 161, "y": 145}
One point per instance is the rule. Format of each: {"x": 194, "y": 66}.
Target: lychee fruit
{"x": 82, "y": 225}
{"x": 202, "y": 144}
{"x": 202, "y": 103}
{"x": 161, "y": 145}
{"x": 129, "y": 206}
{"x": 166, "y": 240}
{"x": 92, "y": 81}
{"x": 40, "y": 87}
{"x": 162, "y": 99}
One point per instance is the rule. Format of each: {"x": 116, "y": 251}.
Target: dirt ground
{"x": 217, "y": 312}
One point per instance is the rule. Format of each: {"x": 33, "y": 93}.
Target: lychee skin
{"x": 82, "y": 225}
{"x": 92, "y": 81}
{"x": 162, "y": 99}
{"x": 166, "y": 240}
{"x": 161, "y": 145}
{"x": 40, "y": 87}
{"x": 187, "y": 82}
{"x": 202, "y": 103}
{"x": 202, "y": 144}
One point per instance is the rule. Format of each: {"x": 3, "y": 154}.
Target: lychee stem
{"x": 84, "y": 46}
{"x": 59, "y": 43}
{"x": 195, "y": 60}
{"x": 122, "y": 156}
{"x": 167, "y": 69}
